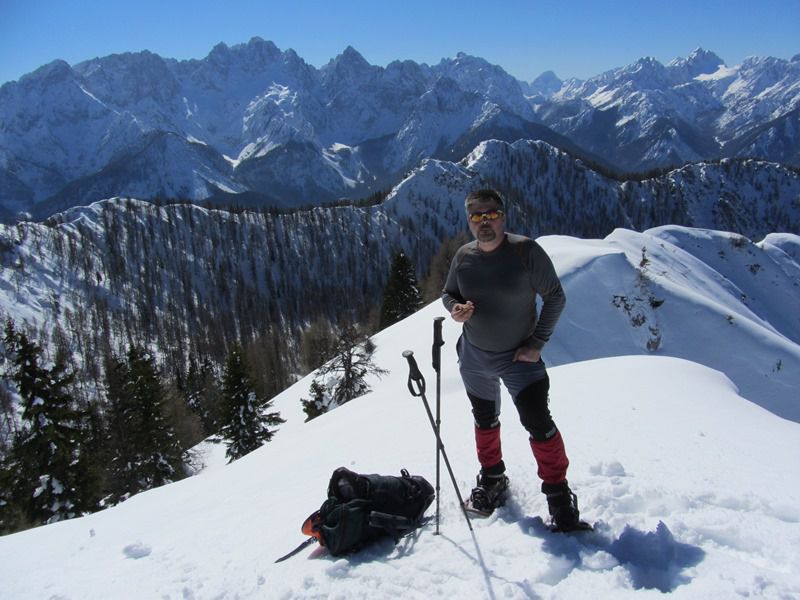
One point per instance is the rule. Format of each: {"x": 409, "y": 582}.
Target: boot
{"x": 563, "y": 506}
{"x": 489, "y": 493}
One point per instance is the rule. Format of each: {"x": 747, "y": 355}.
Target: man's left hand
{"x": 525, "y": 354}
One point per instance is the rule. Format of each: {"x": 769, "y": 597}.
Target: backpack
{"x": 363, "y": 508}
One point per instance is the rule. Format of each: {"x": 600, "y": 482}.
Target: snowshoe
{"x": 489, "y": 493}
{"x": 579, "y": 526}
{"x": 563, "y": 506}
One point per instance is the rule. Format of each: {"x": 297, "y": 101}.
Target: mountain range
{"x": 252, "y": 125}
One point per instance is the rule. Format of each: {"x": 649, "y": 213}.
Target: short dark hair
{"x": 485, "y": 195}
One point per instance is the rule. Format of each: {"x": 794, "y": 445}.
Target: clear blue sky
{"x": 574, "y": 38}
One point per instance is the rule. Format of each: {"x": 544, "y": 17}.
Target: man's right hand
{"x": 462, "y": 312}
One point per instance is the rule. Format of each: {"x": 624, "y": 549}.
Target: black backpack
{"x": 363, "y": 508}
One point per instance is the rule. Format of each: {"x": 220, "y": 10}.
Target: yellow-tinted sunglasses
{"x": 491, "y": 215}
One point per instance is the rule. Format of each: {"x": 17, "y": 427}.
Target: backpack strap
{"x": 398, "y": 525}
{"x": 395, "y": 525}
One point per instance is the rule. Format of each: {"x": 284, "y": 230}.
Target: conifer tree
{"x": 245, "y": 424}
{"x": 47, "y": 464}
{"x": 318, "y": 403}
{"x": 145, "y": 452}
{"x": 352, "y": 362}
{"x": 11, "y": 517}
{"x": 401, "y": 296}
{"x": 203, "y": 394}
{"x": 120, "y": 447}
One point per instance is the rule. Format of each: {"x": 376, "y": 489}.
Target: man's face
{"x": 485, "y": 229}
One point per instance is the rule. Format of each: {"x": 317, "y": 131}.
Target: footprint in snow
{"x": 137, "y": 550}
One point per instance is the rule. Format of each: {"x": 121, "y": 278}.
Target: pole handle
{"x": 414, "y": 375}
{"x": 438, "y": 342}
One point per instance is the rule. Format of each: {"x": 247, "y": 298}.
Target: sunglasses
{"x": 491, "y": 215}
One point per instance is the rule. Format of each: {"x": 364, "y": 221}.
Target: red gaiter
{"x": 551, "y": 458}
{"x": 487, "y": 442}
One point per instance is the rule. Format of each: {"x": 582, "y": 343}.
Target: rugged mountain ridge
{"x": 191, "y": 281}
{"x": 256, "y": 126}
{"x": 650, "y": 115}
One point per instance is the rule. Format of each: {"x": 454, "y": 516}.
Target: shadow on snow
{"x": 654, "y": 559}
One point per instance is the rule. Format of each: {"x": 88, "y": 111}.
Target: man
{"x": 491, "y": 288}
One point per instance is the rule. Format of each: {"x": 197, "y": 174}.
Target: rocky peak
{"x": 699, "y": 62}
{"x": 545, "y": 85}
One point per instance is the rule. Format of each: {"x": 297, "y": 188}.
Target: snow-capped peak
{"x": 634, "y": 118}
{"x": 699, "y": 62}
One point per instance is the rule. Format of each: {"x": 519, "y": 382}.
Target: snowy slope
{"x": 692, "y": 487}
{"x": 710, "y": 297}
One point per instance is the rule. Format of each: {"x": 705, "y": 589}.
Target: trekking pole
{"x": 415, "y": 377}
{"x": 436, "y": 352}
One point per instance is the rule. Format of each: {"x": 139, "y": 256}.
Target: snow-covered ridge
{"x": 648, "y": 115}
{"x": 188, "y": 279}
{"x": 688, "y": 293}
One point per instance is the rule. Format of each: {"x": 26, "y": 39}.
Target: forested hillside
{"x": 190, "y": 281}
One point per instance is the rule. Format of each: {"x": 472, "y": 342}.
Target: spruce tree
{"x": 401, "y": 296}
{"x": 122, "y": 480}
{"x": 318, "y": 404}
{"x": 145, "y": 452}
{"x": 245, "y": 424}
{"x": 47, "y": 464}
{"x": 11, "y": 516}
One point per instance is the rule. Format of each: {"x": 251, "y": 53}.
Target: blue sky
{"x": 574, "y": 38}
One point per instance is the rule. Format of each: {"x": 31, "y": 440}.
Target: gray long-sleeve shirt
{"x": 503, "y": 285}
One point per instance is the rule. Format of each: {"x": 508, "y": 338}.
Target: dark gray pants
{"x": 528, "y": 384}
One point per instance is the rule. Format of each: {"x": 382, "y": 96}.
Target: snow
{"x": 97, "y": 119}
{"x": 693, "y": 488}
{"x": 698, "y": 297}
{"x": 603, "y": 97}
{"x": 722, "y": 73}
